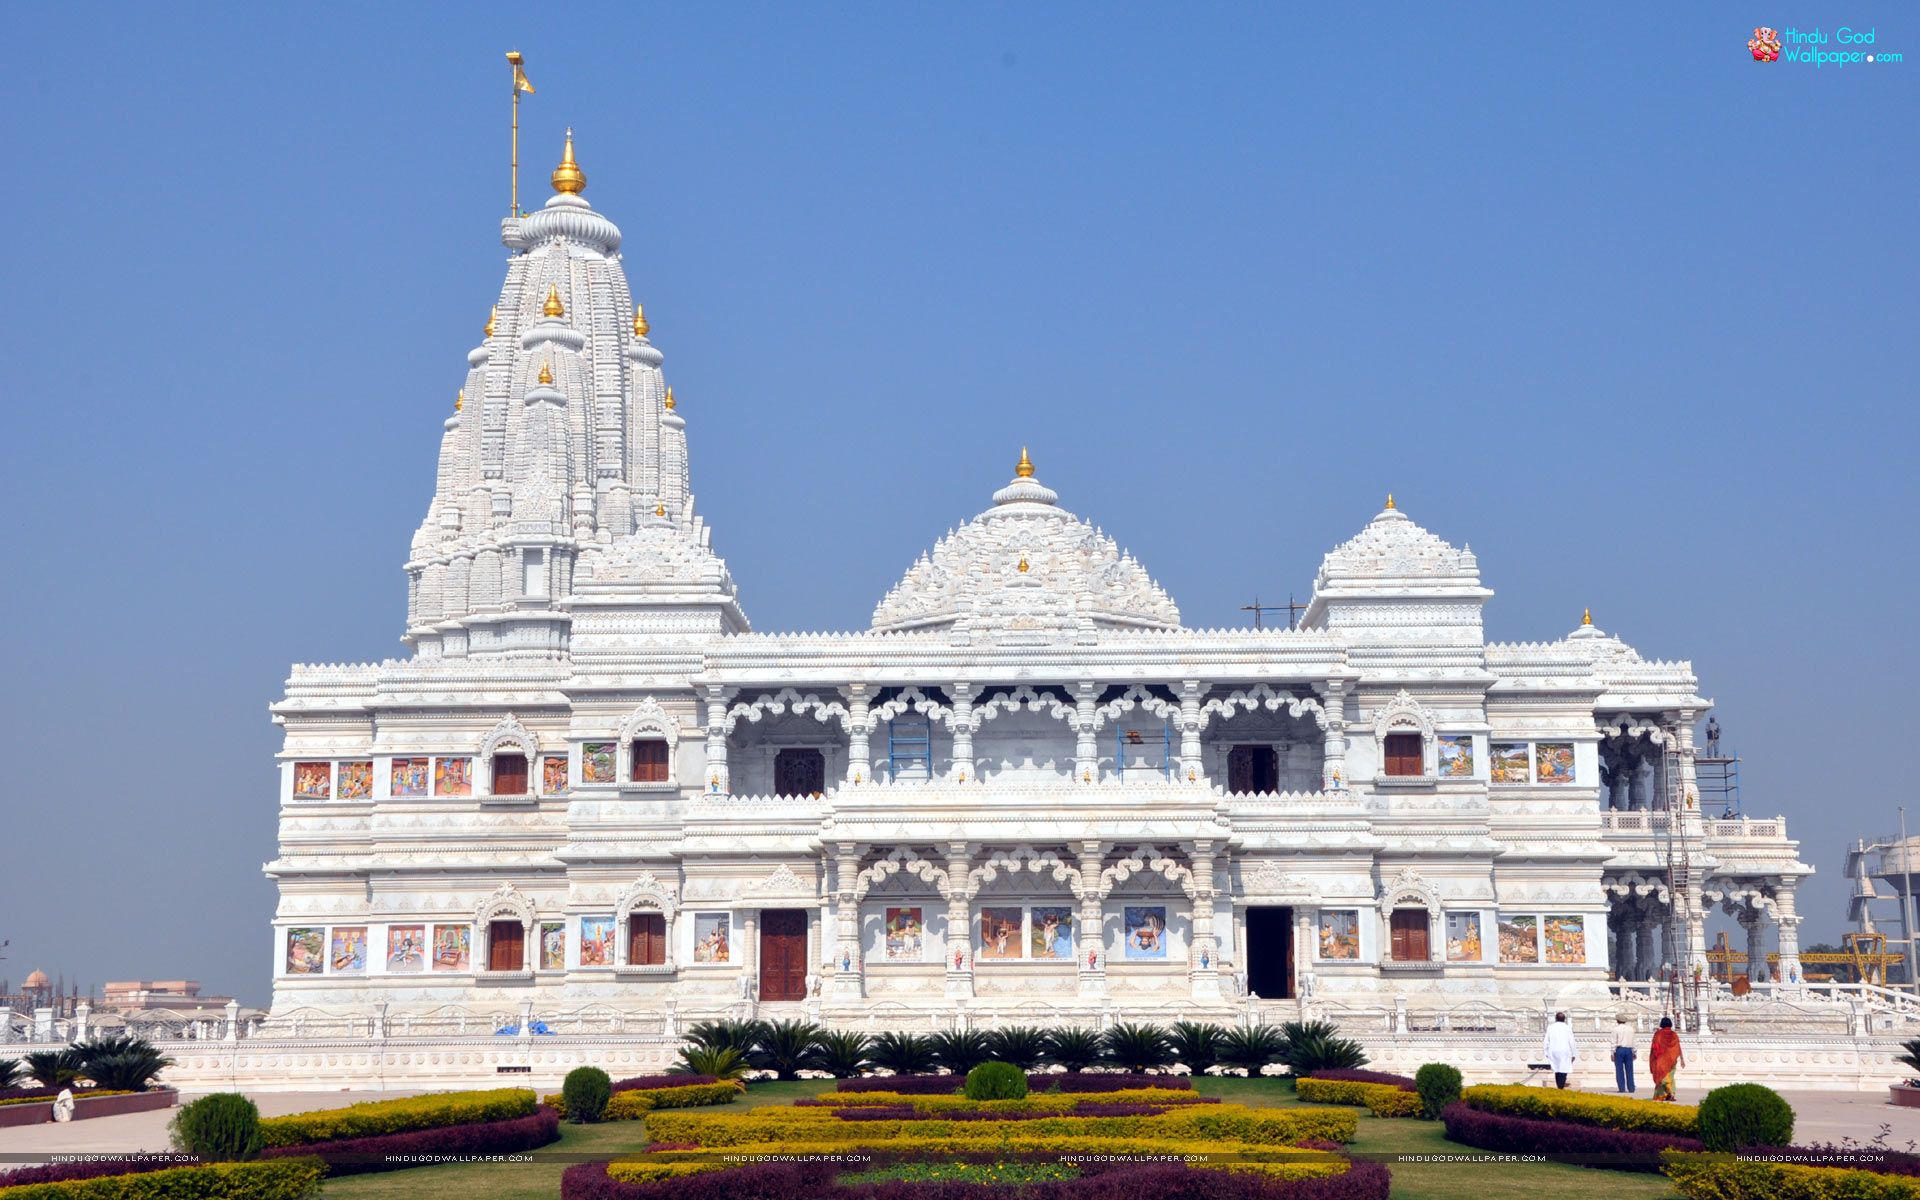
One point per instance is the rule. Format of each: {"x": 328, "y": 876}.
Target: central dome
{"x": 1026, "y": 570}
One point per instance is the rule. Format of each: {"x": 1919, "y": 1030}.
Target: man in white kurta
{"x": 1558, "y": 1049}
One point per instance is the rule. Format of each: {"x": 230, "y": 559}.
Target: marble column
{"x": 859, "y": 732}
{"x": 1086, "y": 747}
{"x": 847, "y": 974}
{"x": 1333, "y": 763}
{"x": 1750, "y": 920}
{"x": 749, "y": 953}
{"x": 1090, "y": 940}
{"x": 1689, "y": 783}
{"x": 718, "y": 781}
{"x": 1192, "y": 764}
{"x": 1789, "y": 918}
{"x": 1203, "y": 956}
{"x": 963, "y": 726}
{"x": 959, "y": 923}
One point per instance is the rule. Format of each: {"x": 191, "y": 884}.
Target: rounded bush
{"x": 1438, "y": 1085}
{"x": 223, "y": 1127}
{"x": 1745, "y": 1114}
{"x": 585, "y": 1094}
{"x": 996, "y": 1081}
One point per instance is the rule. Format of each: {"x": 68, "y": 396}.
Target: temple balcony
{"x": 1737, "y": 831}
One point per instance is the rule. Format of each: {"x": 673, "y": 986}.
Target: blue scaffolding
{"x": 1122, "y": 738}
{"x": 909, "y": 743}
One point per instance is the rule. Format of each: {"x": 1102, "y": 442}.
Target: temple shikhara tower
{"x": 1027, "y": 791}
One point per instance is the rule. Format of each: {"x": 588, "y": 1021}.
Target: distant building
{"x": 38, "y": 992}
{"x": 147, "y": 995}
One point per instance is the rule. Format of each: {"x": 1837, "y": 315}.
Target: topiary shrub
{"x": 1745, "y": 1114}
{"x": 1438, "y": 1085}
{"x": 223, "y": 1127}
{"x": 585, "y": 1094}
{"x": 996, "y": 1081}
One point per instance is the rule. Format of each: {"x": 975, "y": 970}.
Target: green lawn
{"x": 1381, "y": 1139}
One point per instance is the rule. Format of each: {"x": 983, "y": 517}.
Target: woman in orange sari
{"x": 1665, "y": 1057}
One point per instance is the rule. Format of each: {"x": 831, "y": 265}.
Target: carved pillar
{"x": 847, "y": 976}
{"x": 859, "y": 733}
{"x": 1789, "y": 918}
{"x": 1689, "y": 788}
{"x": 1091, "y": 941}
{"x": 1192, "y": 763}
{"x": 749, "y": 953}
{"x": 1333, "y": 763}
{"x": 718, "y": 781}
{"x": 964, "y": 695}
{"x": 1086, "y": 749}
{"x": 959, "y": 923}
{"x": 1203, "y": 956}
{"x": 1750, "y": 918}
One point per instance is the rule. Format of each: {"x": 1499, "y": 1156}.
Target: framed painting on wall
{"x": 999, "y": 933}
{"x": 453, "y": 777}
{"x": 1456, "y": 756}
{"x": 312, "y": 781}
{"x": 596, "y": 762}
{"x": 712, "y": 937}
{"x": 553, "y": 774}
{"x": 905, "y": 935}
{"x": 452, "y": 947}
{"x": 1520, "y": 939}
{"x": 596, "y": 941}
{"x": 1553, "y": 762}
{"x": 1566, "y": 939}
{"x": 407, "y": 777}
{"x": 1463, "y": 937}
{"x": 1339, "y": 933}
{"x": 1050, "y": 932}
{"x": 1509, "y": 762}
{"x": 553, "y": 946}
{"x": 406, "y": 948}
{"x": 348, "y": 953}
{"x": 305, "y": 952}
{"x": 1146, "y": 930}
{"x": 356, "y": 780}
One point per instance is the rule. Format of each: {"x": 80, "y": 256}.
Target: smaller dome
{"x": 37, "y": 979}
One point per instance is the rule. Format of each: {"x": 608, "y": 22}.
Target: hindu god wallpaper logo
{"x": 1765, "y": 44}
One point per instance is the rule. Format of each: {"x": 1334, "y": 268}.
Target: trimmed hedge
{"x": 1586, "y": 1108}
{"x": 1357, "y": 1075}
{"x": 1438, "y": 1085}
{"x": 902, "y": 1112}
{"x": 398, "y": 1151}
{"x": 1052, "y": 1104}
{"x": 284, "y": 1179}
{"x": 376, "y": 1117}
{"x": 650, "y": 1082}
{"x": 1039, "y": 1081}
{"x": 1745, "y": 1114}
{"x": 996, "y": 1081}
{"x": 1718, "y": 1177}
{"x": 1618, "y": 1149}
{"x": 1380, "y": 1099}
{"x": 42, "y": 1095}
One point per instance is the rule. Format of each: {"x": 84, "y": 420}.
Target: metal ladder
{"x": 1682, "y": 990}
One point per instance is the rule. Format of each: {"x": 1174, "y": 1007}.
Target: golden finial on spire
{"x": 1389, "y": 501}
{"x": 1025, "y": 469}
{"x": 670, "y": 400}
{"x": 568, "y": 178}
{"x": 1586, "y": 618}
{"x": 546, "y": 372}
{"x": 1023, "y": 564}
{"x": 659, "y": 510}
{"x": 459, "y": 399}
{"x": 640, "y": 326}
{"x": 553, "y": 307}
{"x": 493, "y": 319}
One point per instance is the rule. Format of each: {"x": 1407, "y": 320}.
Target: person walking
{"x": 1623, "y": 1056}
{"x": 1559, "y": 1050}
{"x": 1665, "y": 1057}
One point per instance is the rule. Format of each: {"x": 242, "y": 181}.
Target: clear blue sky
{"x": 1629, "y": 312}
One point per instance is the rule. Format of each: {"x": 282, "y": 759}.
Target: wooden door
{"x": 649, "y": 757}
{"x": 1410, "y": 935}
{"x": 783, "y": 954}
{"x": 799, "y": 773}
{"x": 1403, "y": 755}
{"x": 509, "y": 774}
{"x": 646, "y": 940}
{"x": 1253, "y": 769}
{"x": 506, "y": 946}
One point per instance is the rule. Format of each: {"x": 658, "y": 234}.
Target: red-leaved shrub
{"x": 417, "y": 1148}
{"x": 1587, "y": 1145}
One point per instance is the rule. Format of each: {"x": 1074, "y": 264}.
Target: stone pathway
{"x": 147, "y": 1131}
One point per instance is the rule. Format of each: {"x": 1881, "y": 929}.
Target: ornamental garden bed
{"x": 288, "y": 1179}
{"x": 37, "y": 1111}
{"x": 631, "y": 1102}
{"x": 1380, "y": 1099}
{"x": 1761, "y": 1177}
{"x": 1039, "y": 1081}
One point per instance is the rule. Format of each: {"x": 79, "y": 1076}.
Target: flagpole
{"x": 513, "y": 58}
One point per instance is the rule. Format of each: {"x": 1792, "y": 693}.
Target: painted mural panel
{"x": 1463, "y": 937}
{"x": 553, "y": 774}
{"x": 1520, "y": 939}
{"x": 999, "y": 933}
{"x": 906, "y": 934}
{"x": 305, "y": 951}
{"x": 597, "y": 762}
{"x": 596, "y": 941}
{"x": 1050, "y": 932}
{"x": 407, "y": 777}
{"x": 312, "y": 781}
{"x": 1566, "y": 939}
{"x": 553, "y": 946}
{"x": 712, "y": 937}
{"x": 1146, "y": 930}
{"x": 452, "y": 947}
{"x": 356, "y": 780}
{"x": 1509, "y": 762}
{"x": 348, "y": 953}
{"x": 1553, "y": 762}
{"x": 453, "y": 777}
{"x": 1456, "y": 756}
{"x": 1339, "y": 933}
{"x": 406, "y": 946}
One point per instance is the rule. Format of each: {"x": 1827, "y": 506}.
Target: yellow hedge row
{"x": 635, "y": 1103}
{"x": 653, "y": 1172}
{"x": 1586, "y": 1108}
{"x": 1381, "y": 1099}
{"x": 1715, "y": 1177}
{"x": 1281, "y": 1161}
{"x": 376, "y": 1117}
{"x": 1062, "y": 1103}
{"x": 1197, "y": 1123}
{"x": 278, "y": 1179}
{"x": 78, "y": 1094}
